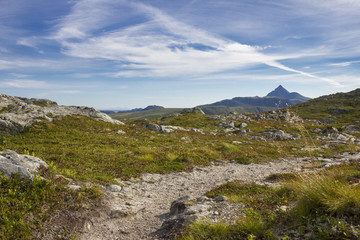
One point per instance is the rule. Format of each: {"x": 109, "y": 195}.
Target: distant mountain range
{"x": 150, "y": 107}
{"x": 278, "y": 98}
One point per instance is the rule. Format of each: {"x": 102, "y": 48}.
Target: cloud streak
{"x": 25, "y": 83}
{"x": 159, "y": 46}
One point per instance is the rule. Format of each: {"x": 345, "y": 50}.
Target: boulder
{"x": 153, "y": 126}
{"x": 24, "y": 165}
{"x": 230, "y": 124}
{"x": 242, "y": 125}
{"x": 352, "y": 128}
{"x": 192, "y": 110}
{"x": 329, "y": 131}
{"x": 279, "y": 135}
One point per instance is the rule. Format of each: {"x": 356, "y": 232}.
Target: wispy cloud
{"x": 159, "y": 46}
{"x": 25, "y": 83}
{"x": 68, "y": 92}
{"x": 344, "y": 64}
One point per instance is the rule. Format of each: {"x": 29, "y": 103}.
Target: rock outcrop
{"x": 22, "y": 164}
{"x": 193, "y": 110}
{"x": 17, "y": 114}
{"x": 280, "y": 135}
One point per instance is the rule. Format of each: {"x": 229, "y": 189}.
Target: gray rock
{"x": 317, "y": 130}
{"x": 220, "y": 198}
{"x": 328, "y": 121}
{"x": 119, "y": 214}
{"x": 243, "y": 125}
{"x": 257, "y": 138}
{"x": 114, "y": 188}
{"x": 279, "y": 135}
{"x": 153, "y": 126}
{"x": 241, "y": 132}
{"x": 179, "y": 205}
{"x": 329, "y": 130}
{"x": 8, "y": 169}
{"x": 230, "y": 124}
{"x": 192, "y": 110}
{"x": 195, "y": 209}
{"x": 20, "y": 113}
{"x": 352, "y": 128}
{"x": 164, "y": 129}
{"x": 74, "y": 187}
{"x": 25, "y": 165}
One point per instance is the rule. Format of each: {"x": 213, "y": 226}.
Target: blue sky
{"x": 125, "y": 54}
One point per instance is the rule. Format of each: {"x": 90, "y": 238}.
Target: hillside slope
{"x": 334, "y": 108}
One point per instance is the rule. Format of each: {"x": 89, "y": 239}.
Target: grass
{"x": 322, "y": 205}
{"x": 26, "y": 207}
{"x": 107, "y": 155}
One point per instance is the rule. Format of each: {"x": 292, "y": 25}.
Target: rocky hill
{"x": 18, "y": 114}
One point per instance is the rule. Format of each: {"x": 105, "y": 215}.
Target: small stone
{"x": 243, "y": 125}
{"x": 118, "y": 214}
{"x": 220, "y": 198}
{"x": 114, "y": 188}
{"x": 202, "y": 199}
{"x": 74, "y": 187}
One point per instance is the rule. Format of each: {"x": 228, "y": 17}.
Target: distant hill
{"x": 278, "y": 98}
{"x": 152, "y": 113}
{"x": 150, "y": 107}
{"x": 334, "y": 108}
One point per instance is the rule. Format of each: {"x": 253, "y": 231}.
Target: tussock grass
{"x": 324, "y": 192}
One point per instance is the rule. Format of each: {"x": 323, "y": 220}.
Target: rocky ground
{"x": 140, "y": 209}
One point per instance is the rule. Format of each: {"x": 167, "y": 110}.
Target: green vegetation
{"x": 323, "y": 205}
{"x": 339, "y": 107}
{"x": 26, "y": 207}
{"x": 89, "y": 150}
{"x": 319, "y": 206}
{"x": 86, "y": 149}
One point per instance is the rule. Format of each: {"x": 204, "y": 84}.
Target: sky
{"x": 123, "y": 54}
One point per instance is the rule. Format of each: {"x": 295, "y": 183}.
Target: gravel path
{"x": 139, "y": 208}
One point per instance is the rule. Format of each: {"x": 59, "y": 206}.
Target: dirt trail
{"x": 139, "y": 208}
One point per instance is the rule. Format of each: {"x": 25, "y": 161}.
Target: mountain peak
{"x": 280, "y": 91}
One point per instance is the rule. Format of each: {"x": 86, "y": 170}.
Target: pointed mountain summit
{"x": 280, "y": 91}
{"x": 294, "y": 97}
